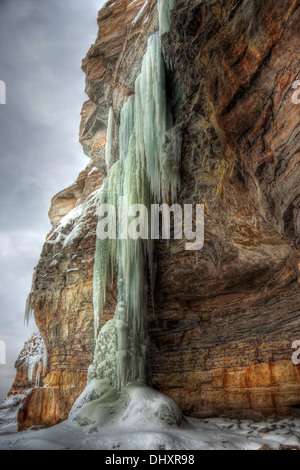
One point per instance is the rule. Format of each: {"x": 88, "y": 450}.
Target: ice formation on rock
{"x": 147, "y": 172}
{"x": 164, "y": 12}
{"x": 28, "y": 309}
{"x": 34, "y": 355}
{"x": 109, "y": 138}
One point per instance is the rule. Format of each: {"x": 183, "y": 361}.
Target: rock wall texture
{"x": 226, "y": 316}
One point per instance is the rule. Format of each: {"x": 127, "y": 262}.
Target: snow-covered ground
{"x": 210, "y": 434}
{"x": 142, "y": 419}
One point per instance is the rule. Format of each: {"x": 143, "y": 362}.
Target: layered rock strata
{"x": 227, "y": 316}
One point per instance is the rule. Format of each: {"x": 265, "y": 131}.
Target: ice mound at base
{"x": 101, "y": 405}
{"x": 102, "y": 418}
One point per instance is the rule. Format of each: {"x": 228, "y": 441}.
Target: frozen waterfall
{"x": 147, "y": 172}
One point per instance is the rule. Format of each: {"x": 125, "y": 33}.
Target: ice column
{"x": 147, "y": 172}
{"x": 109, "y": 138}
{"x": 164, "y": 11}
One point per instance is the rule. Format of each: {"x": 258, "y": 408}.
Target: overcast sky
{"x": 42, "y": 43}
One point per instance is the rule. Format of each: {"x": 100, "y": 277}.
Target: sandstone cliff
{"x": 226, "y": 316}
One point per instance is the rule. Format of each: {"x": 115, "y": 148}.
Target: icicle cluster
{"x": 120, "y": 353}
{"x": 37, "y": 362}
{"x": 109, "y": 138}
{"x": 147, "y": 172}
{"x": 34, "y": 356}
{"x": 28, "y": 310}
{"x": 164, "y": 12}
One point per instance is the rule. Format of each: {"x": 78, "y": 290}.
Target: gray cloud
{"x": 42, "y": 43}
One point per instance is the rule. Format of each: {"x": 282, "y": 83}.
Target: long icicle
{"x": 146, "y": 173}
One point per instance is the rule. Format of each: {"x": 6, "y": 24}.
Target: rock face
{"x": 226, "y": 316}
